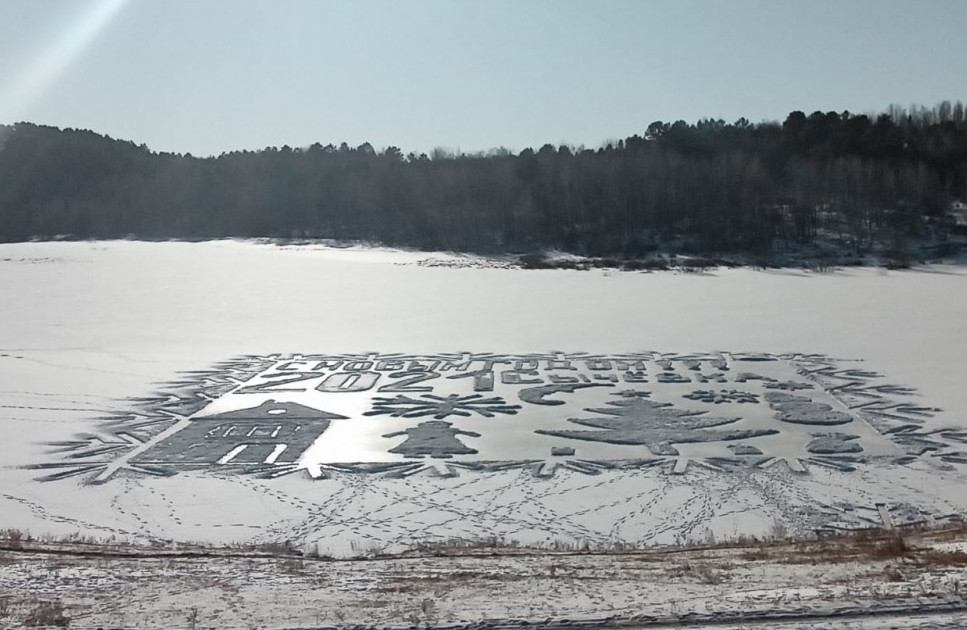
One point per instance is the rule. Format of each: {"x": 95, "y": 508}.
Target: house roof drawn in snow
{"x": 274, "y": 410}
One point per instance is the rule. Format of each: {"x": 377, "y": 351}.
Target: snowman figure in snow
{"x": 434, "y": 438}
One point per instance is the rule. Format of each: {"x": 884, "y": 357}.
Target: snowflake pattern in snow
{"x": 722, "y": 396}
{"x": 440, "y": 406}
{"x": 789, "y": 386}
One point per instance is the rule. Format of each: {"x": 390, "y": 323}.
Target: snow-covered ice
{"x": 89, "y": 328}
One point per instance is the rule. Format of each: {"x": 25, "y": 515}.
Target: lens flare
{"x": 40, "y": 75}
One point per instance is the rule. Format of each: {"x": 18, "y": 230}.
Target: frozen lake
{"x": 92, "y": 333}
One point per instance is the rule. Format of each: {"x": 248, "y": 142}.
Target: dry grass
{"x": 14, "y": 538}
{"x": 893, "y": 546}
{"x": 909, "y": 544}
{"x": 292, "y": 566}
{"x": 705, "y": 573}
{"x": 875, "y": 545}
{"x": 932, "y": 558}
{"x": 421, "y": 591}
{"x": 893, "y": 574}
{"x": 285, "y": 548}
{"x": 47, "y": 613}
{"x": 755, "y": 555}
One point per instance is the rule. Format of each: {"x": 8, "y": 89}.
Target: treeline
{"x": 703, "y": 187}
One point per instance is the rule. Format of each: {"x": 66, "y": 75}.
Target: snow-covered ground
{"x": 87, "y": 327}
{"x": 90, "y": 330}
{"x": 785, "y": 586}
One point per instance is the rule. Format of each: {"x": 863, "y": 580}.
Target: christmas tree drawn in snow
{"x": 637, "y": 420}
{"x": 435, "y": 438}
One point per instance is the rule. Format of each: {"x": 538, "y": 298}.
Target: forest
{"x": 704, "y": 187}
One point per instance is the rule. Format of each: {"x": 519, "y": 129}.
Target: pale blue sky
{"x": 206, "y": 76}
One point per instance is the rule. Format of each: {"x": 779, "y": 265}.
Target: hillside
{"x": 884, "y": 184}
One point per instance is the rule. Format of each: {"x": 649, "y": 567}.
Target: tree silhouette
{"x": 708, "y": 187}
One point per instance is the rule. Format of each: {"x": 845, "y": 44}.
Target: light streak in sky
{"x": 40, "y": 75}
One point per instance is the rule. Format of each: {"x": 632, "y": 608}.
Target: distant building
{"x": 958, "y": 213}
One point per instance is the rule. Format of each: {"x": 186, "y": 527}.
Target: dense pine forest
{"x": 706, "y": 187}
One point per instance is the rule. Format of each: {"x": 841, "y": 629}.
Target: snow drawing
{"x": 803, "y": 410}
{"x": 789, "y": 386}
{"x": 268, "y": 433}
{"x": 834, "y": 443}
{"x": 722, "y": 396}
{"x": 744, "y": 449}
{"x": 440, "y": 407}
{"x": 435, "y": 438}
{"x": 639, "y": 421}
{"x": 322, "y": 414}
{"x": 539, "y": 395}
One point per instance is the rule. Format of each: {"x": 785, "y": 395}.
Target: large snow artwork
{"x": 449, "y": 414}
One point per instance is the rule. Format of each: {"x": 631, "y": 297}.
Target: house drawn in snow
{"x": 273, "y": 432}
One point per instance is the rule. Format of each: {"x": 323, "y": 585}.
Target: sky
{"x": 210, "y": 76}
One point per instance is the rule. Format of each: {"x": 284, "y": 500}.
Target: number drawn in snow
{"x": 455, "y": 413}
